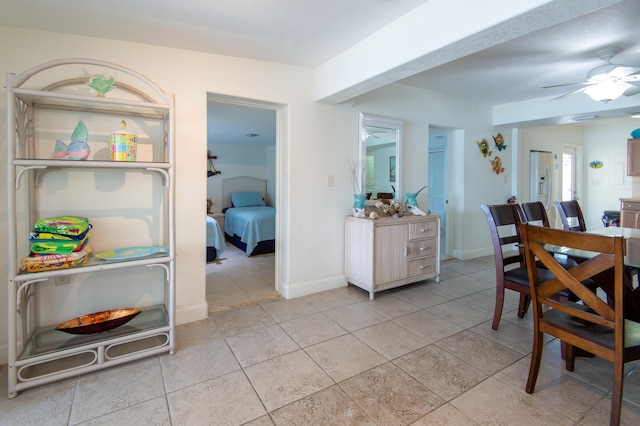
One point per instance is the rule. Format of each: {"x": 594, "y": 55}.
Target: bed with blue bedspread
{"x": 215, "y": 239}
{"x": 249, "y": 223}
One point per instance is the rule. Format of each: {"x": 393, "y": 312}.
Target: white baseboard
{"x": 310, "y": 287}
{"x": 185, "y": 314}
{"x": 472, "y": 254}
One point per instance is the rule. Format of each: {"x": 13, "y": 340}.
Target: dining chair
{"x": 534, "y": 213}
{"x": 511, "y": 270}
{"x": 591, "y": 325}
{"x": 571, "y": 215}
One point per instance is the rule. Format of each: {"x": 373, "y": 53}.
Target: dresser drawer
{"x": 630, "y": 205}
{"x": 421, "y": 248}
{"x": 428, "y": 228}
{"x": 427, "y": 265}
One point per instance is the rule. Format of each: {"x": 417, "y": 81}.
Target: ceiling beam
{"x": 434, "y": 34}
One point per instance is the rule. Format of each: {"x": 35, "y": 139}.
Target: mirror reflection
{"x": 380, "y": 156}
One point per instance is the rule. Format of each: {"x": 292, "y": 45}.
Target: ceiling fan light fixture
{"x": 606, "y": 91}
{"x": 601, "y": 73}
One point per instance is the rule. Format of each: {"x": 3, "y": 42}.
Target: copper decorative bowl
{"x": 98, "y": 321}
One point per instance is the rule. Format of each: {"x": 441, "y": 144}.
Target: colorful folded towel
{"x": 35, "y": 236}
{"x": 46, "y": 262}
{"x": 43, "y": 246}
{"x": 71, "y": 226}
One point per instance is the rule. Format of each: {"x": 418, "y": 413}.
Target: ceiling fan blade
{"x": 623, "y": 71}
{"x": 631, "y": 78}
{"x": 568, "y": 93}
{"x": 634, "y": 89}
{"x": 562, "y": 85}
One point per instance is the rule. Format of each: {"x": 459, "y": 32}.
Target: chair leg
{"x": 569, "y": 356}
{"x": 536, "y": 357}
{"x": 497, "y": 312}
{"x": 523, "y": 307}
{"x": 616, "y": 398}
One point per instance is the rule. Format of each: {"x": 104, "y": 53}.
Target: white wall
{"x": 545, "y": 138}
{"x": 471, "y": 181}
{"x": 238, "y": 160}
{"x": 604, "y": 140}
{"x": 313, "y": 140}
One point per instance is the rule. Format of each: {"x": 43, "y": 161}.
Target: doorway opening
{"x": 569, "y": 189}
{"x": 437, "y": 190}
{"x": 243, "y": 136}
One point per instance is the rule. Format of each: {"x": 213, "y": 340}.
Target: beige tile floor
{"x": 422, "y": 354}
{"x": 235, "y": 280}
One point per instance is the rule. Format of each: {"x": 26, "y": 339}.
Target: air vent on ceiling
{"x": 585, "y": 118}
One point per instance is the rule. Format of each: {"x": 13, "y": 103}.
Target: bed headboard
{"x": 242, "y": 184}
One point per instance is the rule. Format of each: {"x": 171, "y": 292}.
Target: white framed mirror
{"x": 381, "y": 156}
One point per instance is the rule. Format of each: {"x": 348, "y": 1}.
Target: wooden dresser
{"x": 385, "y": 253}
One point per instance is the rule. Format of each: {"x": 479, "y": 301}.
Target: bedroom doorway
{"x": 242, "y": 135}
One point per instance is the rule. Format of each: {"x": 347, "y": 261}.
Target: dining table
{"x": 605, "y": 279}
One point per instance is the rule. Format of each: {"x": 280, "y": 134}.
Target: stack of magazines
{"x": 57, "y": 243}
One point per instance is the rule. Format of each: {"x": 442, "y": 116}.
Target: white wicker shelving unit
{"x": 42, "y": 104}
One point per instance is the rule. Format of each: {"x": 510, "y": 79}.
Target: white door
{"x": 436, "y": 194}
{"x": 570, "y": 165}
{"x": 437, "y": 189}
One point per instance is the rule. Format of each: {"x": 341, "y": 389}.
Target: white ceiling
{"x": 229, "y": 123}
{"x": 298, "y": 32}
{"x": 310, "y": 32}
{"x": 518, "y": 69}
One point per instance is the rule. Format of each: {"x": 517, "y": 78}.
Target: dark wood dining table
{"x": 631, "y": 262}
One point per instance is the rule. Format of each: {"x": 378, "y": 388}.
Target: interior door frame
{"x": 447, "y": 170}
{"x": 576, "y": 152}
{"x": 281, "y": 193}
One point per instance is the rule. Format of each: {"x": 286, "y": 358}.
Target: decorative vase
{"x": 411, "y": 199}
{"x": 359, "y": 205}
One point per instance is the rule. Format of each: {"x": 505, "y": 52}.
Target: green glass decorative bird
{"x": 101, "y": 84}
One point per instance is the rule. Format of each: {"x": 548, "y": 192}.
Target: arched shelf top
{"x": 159, "y": 96}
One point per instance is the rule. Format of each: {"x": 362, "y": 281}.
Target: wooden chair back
{"x": 534, "y": 212}
{"x": 511, "y": 271}
{"x": 504, "y": 226}
{"x": 591, "y": 325}
{"x": 571, "y": 215}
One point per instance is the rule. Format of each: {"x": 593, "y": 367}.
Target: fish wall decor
{"x": 496, "y": 163}
{"x": 484, "y": 148}
{"x": 499, "y": 141}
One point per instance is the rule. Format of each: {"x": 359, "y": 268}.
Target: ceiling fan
{"x": 607, "y": 82}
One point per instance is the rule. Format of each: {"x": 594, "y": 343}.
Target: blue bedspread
{"x": 251, "y": 224}
{"x": 215, "y": 237}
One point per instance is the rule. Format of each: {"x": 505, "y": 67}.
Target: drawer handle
{"x": 423, "y": 230}
{"x": 422, "y": 266}
{"x": 406, "y": 250}
{"x": 421, "y": 248}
